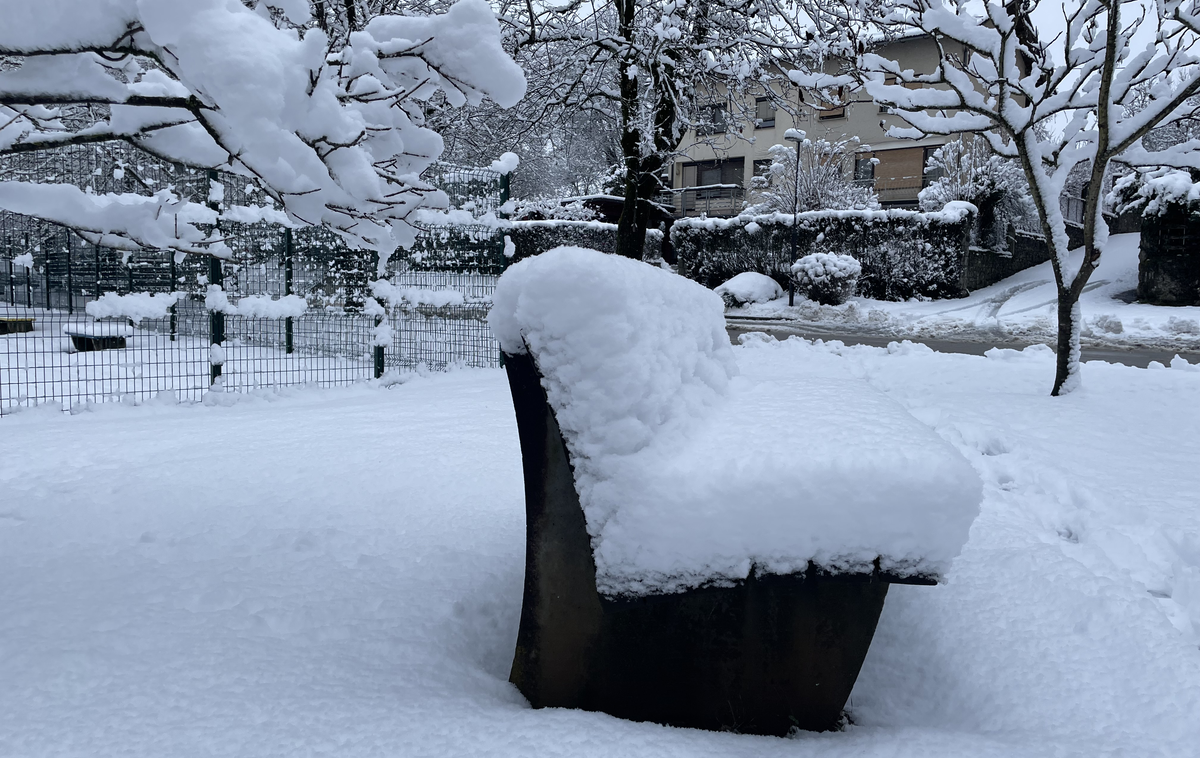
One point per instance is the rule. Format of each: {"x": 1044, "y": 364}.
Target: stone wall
{"x": 1169, "y": 261}
{"x": 983, "y": 268}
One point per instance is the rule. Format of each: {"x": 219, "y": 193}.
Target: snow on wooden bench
{"x": 100, "y": 335}
{"x": 710, "y": 533}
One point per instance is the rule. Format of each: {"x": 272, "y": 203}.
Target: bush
{"x": 749, "y": 287}
{"x": 490, "y": 249}
{"x": 827, "y": 278}
{"x": 903, "y": 254}
{"x": 536, "y": 237}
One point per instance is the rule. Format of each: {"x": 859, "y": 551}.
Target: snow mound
{"x": 415, "y": 296}
{"x": 135, "y": 305}
{"x": 255, "y": 306}
{"x": 749, "y": 287}
{"x": 690, "y": 474}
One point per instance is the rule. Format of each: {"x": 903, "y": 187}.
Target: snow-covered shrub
{"x": 824, "y": 182}
{"x": 551, "y": 209}
{"x": 749, "y": 287}
{"x": 904, "y": 254}
{"x": 970, "y": 172}
{"x": 827, "y": 278}
{"x": 1154, "y": 192}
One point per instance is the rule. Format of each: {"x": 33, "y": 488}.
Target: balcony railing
{"x": 709, "y": 200}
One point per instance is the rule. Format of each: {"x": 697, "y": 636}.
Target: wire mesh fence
{"x": 53, "y": 351}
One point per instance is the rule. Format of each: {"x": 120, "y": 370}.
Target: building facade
{"x": 713, "y": 176}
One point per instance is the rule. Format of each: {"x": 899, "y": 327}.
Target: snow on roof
{"x": 697, "y": 463}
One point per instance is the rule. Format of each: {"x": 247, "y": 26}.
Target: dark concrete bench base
{"x": 15, "y": 325}
{"x": 86, "y": 343}
{"x": 771, "y": 654}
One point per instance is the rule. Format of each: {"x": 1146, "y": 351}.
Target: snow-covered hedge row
{"x": 536, "y": 237}
{"x": 903, "y": 253}
{"x": 493, "y": 247}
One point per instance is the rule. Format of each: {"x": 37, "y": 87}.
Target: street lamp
{"x": 796, "y": 136}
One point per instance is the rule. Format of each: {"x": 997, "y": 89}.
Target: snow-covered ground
{"x": 338, "y": 572}
{"x": 1020, "y": 308}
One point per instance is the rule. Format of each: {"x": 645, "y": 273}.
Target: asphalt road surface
{"x": 1140, "y": 357}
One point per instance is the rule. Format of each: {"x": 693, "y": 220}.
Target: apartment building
{"x": 714, "y": 175}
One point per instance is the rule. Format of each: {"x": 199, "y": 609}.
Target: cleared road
{"x": 1140, "y": 357}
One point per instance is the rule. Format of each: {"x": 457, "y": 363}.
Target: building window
{"x": 835, "y": 112}
{"x": 864, "y": 169}
{"x": 762, "y": 167}
{"x": 708, "y": 173}
{"x": 891, "y": 80}
{"x": 713, "y": 119}
{"x": 764, "y": 113}
{"x": 931, "y": 174}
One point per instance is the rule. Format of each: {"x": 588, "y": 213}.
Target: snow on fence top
{"x": 693, "y": 472}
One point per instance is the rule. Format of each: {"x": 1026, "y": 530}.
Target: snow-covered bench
{"x": 710, "y": 532}
{"x": 99, "y": 335}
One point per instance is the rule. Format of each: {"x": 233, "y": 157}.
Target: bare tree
{"x": 654, "y": 68}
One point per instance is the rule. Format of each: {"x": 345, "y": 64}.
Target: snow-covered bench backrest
{"x": 629, "y": 352}
{"x": 691, "y": 471}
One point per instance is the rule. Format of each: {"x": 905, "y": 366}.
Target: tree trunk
{"x": 1066, "y": 376}
{"x": 631, "y": 228}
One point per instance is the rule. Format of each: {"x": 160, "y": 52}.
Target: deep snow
{"x": 1019, "y": 308}
{"x": 338, "y": 572}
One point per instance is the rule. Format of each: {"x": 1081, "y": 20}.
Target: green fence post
{"x": 287, "y": 286}
{"x": 379, "y": 352}
{"x": 216, "y": 275}
{"x": 505, "y": 187}
{"x": 70, "y": 278}
{"x": 28, "y": 276}
{"x": 174, "y": 286}
{"x": 216, "y": 319}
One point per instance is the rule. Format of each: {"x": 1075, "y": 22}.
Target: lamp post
{"x": 796, "y": 136}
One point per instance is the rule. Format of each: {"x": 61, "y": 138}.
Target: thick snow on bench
{"x": 697, "y": 463}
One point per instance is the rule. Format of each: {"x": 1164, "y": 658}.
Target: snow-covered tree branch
{"x": 331, "y": 129}
{"x": 1083, "y": 91}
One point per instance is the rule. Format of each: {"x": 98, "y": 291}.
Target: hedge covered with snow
{"x": 903, "y": 253}
{"x": 492, "y": 247}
